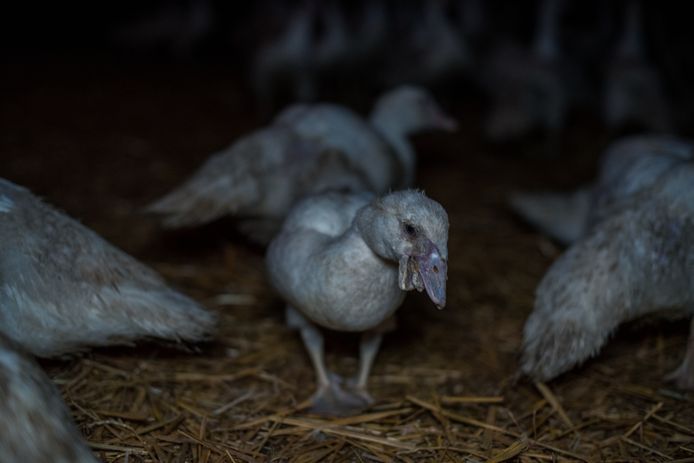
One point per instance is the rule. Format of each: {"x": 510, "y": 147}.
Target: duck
{"x": 286, "y": 62}
{"x": 435, "y": 43}
{"x": 257, "y": 179}
{"x": 308, "y": 149}
{"x": 344, "y": 261}
{"x": 628, "y": 165}
{"x": 379, "y": 145}
{"x": 472, "y": 18}
{"x": 635, "y": 258}
{"x": 529, "y": 87}
{"x": 36, "y": 425}
{"x": 633, "y": 90}
{"x": 349, "y": 39}
{"x": 178, "y": 29}
{"x": 64, "y": 288}
{"x": 333, "y": 47}
{"x": 370, "y": 44}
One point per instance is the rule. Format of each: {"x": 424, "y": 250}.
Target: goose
{"x": 308, "y": 149}
{"x": 636, "y": 258}
{"x": 344, "y": 262}
{"x": 36, "y": 425}
{"x": 64, "y": 288}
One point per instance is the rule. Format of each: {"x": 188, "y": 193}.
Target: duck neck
{"x": 367, "y": 227}
{"x": 395, "y": 133}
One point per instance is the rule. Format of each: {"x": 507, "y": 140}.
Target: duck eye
{"x": 409, "y": 229}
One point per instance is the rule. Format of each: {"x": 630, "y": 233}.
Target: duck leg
{"x": 683, "y": 376}
{"x": 329, "y": 398}
{"x": 368, "y": 348}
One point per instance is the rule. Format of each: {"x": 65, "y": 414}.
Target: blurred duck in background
{"x": 431, "y": 49}
{"x": 634, "y": 93}
{"x": 529, "y": 87}
{"x": 320, "y": 42}
{"x": 177, "y": 28}
{"x": 285, "y": 63}
{"x": 308, "y": 149}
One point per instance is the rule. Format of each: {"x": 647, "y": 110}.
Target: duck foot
{"x": 335, "y": 400}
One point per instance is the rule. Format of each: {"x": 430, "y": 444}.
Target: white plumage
{"x": 63, "y": 288}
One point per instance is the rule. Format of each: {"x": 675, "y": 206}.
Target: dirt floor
{"x": 100, "y": 141}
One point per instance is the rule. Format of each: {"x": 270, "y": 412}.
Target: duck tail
{"x": 562, "y": 216}
{"x": 160, "y": 313}
{"x": 217, "y": 189}
{"x": 186, "y": 206}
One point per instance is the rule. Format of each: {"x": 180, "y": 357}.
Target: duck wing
{"x": 564, "y": 217}
{"x": 634, "y": 164}
{"x": 262, "y": 176}
{"x": 64, "y": 287}
{"x": 339, "y": 128}
{"x": 229, "y": 182}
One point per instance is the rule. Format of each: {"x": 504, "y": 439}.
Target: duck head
{"x": 412, "y": 230}
{"x": 412, "y": 109}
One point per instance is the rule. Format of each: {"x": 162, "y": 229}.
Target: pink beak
{"x": 444, "y": 122}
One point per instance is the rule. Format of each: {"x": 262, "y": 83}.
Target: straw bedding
{"x": 97, "y": 144}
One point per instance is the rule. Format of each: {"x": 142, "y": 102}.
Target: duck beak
{"x": 443, "y": 121}
{"x": 433, "y": 271}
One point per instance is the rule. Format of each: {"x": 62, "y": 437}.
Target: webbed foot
{"x": 335, "y": 400}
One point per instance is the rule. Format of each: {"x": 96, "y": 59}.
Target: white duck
{"x": 287, "y": 60}
{"x": 308, "y": 149}
{"x": 36, "y": 426}
{"x": 344, "y": 262}
{"x": 634, "y": 92}
{"x": 473, "y": 17}
{"x": 332, "y": 48}
{"x": 529, "y": 87}
{"x": 64, "y": 288}
{"x": 628, "y": 166}
{"x": 437, "y": 46}
{"x": 370, "y": 145}
{"x": 177, "y": 27}
{"x": 257, "y": 179}
{"x": 636, "y": 257}
{"x": 351, "y": 39}
{"x": 370, "y": 42}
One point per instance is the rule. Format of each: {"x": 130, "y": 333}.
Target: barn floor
{"x": 102, "y": 140}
